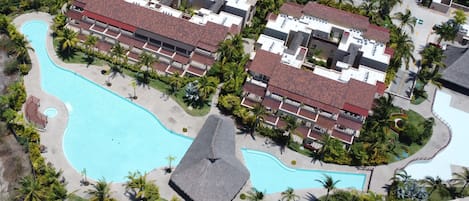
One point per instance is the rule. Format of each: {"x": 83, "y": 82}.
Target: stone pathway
{"x": 173, "y": 117}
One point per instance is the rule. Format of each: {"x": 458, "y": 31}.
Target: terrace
{"x": 342, "y": 136}
{"x": 196, "y": 71}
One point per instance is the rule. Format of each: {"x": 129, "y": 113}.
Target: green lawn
{"x": 81, "y": 58}
{"x": 417, "y": 120}
{"x": 178, "y": 97}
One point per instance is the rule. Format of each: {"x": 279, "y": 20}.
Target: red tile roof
{"x": 271, "y": 103}
{"x": 254, "y": 89}
{"x": 74, "y": 15}
{"x": 173, "y": 69}
{"x": 307, "y": 114}
{"x": 303, "y": 131}
{"x": 381, "y": 87}
{"x": 344, "y": 121}
{"x": 264, "y": 62}
{"x": 160, "y": 66}
{"x": 291, "y": 9}
{"x": 130, "y": 41}
{"x": 325, "y": 122}
{"x": 167, "y": 52}
{"x": 249, "y": 102}
{"x": 196, "y": 71}
{"x": 336, "y": 16}
{"x": 377, "y": 33}
{"x": 270, "y": 119}
{"x": 315, "y": 135}
{"x": 111, "y": 33}
{"x": 290, "y": 108}
{"x": 206, "y": 60}
{"x": 360, "y": 94}
{"x": 181, "y": 59}
{"x": 111, "y": 11}
{"x": 344, "y": 137}
{"x": 389, "y": 51}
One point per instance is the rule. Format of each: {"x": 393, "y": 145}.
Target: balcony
{"x": 352, "y": 117}
{"x": 344, "y": 130}
{"x": 247, "y": 102}
{"x": 196, "y": 71}
{"x": 343, "y": 137}
{"x": 349, "y": 123}
{"x": 270, "y": 103}
{"x": 324, "y": 122}
{"x": 307, "y": 114}
{"x": 289, "y": 108}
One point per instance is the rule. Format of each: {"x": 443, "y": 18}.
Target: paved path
{"x": 173, "y": 117}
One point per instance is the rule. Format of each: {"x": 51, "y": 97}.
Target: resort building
{"x": 182, "y": 43}
{"x": 210, "y": 171}
{"x": 456, "y": 74}
{"x": 329, "y": 99}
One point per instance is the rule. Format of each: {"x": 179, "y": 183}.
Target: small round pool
{"x": 50, "y": 112}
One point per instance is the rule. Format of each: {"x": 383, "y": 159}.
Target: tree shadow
{"x": 311, "y": 197}
{"x": 66, "y": 55}
{"x": 89, "y": 60}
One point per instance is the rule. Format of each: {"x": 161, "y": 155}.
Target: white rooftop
{"x": 241, "y": 4}
{"x": 363, "y": 74}
{"x": 271, "y": 44}
{"x": 371, "y": 49}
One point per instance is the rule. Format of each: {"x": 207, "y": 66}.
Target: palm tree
{"x": 403, "y": 45}
{"x": 254, "y": 195}
{"x": 406, "y": 19}
{"x": 432, "y": 76}
{"x": 433, "y": 183}
{"x": 134, "y": 86}
{"x": 100, "y": 191}
{"x": 258, "y": 113}
{"x": 385, "y": 6}
{"x": 117, "y": 52}
{"x": 30, "y": 190}
{"x": 328, "y": 183}
{"x": 206, "y": 86}
{"x": 90, "y": 42}
{"x": 176, "y": 82}
{"x": 147, "y": 60}
{"x": 462, "y": 178}
{"x": 19, "y": 48}
{"x": 67, "y": 40}
{"x": 136, "y": 183}
{"x": 368, "y": 8}
{"x": 289, "y": 195}
{"x": 432, "y": 56}
{"x": 170, "y": 159}
{"x": 447, "y": 31}
{"x": 459, "y": 17}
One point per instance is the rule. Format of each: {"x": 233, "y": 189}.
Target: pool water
{"x": 270, "y": 175}
{"x": 50, "y": 112}
{"x": 109, "y": 135}
{"x": 106, "y": 134}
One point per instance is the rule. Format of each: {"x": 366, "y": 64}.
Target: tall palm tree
{"x": 176, "y": 82}
{"x": 432, "y": 56}
{"x": 100, "y": 191}
{"x": 147, "y": 60}
{"x": 328, "y": 183}
{"x": 459, "y": 17}
{"x": 30, "y": 190}
{"x": 430, "y": 75}
{"x": 19, "y": 47}
{"x": 254, "y": 195}
{"x": 462, "y": 178}
{"x": 406, "y": 19}
{"x": 433, "y": 183}
{"x": 343, "y": 2}
{"x": 67, "y": 40}
{"x": 170, "y": 159}
{"x": 89, "y": 43}
{"x": 447, "y": 31}
{"x": 385, "y": 6}
{"x": 258, "y": 113}
{"x": 206, "y": 86}
{"x": 369, "y": 8}
{"x": 117, "y": 52}
{"x": 403, "y": 45}
{"x": 289, "y": 195}
{"x": 136, "y": 183}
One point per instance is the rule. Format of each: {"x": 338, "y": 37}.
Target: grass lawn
{"x": 417, "y": 120}
{"x": 178, "y": 97}
{"x": 81, "y": 58}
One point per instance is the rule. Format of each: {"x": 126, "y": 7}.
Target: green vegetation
{"x": 15, "y": 7}
{"x": 139, "y": 188}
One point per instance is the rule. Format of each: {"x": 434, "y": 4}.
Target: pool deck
{"x": 173, "y": 117}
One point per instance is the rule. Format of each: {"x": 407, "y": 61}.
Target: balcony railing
{"x": 352, "y": 117}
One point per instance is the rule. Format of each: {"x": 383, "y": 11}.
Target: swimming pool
{"x": 106, "y": 134}
{"x": 109, "y": 136}
{"x": 270, "y": 175}
{"x": 453, "y": 154}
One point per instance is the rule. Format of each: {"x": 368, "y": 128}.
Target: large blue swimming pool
{"x": 109, "y": 136}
